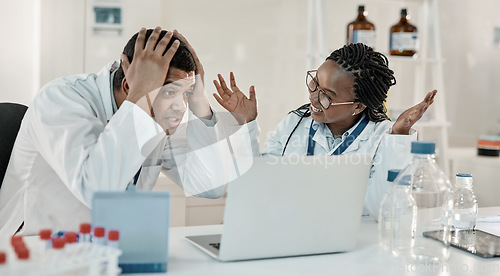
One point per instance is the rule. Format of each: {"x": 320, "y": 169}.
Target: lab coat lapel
{"x": 320, "y": 138}
{"x": 104, "y": 84}
{"x": 365, "y": 135}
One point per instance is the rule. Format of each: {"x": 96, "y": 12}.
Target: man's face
{"x": 171, "y": 102}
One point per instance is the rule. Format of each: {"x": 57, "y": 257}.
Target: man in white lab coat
{"x": 113, "y": 130}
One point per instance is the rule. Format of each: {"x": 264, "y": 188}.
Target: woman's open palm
{"x": 234, "y": 101}
{"x": 408, "y": 118}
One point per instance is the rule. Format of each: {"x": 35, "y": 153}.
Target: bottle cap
{"x": 405, "y": 180}
{"x": 361, "y": 8}
{"x": 14, "y": 240}
{"x": 463, "y": 180}
{"x": 392, "y": 174}
{"x": 23, "y": 253}
{"x": 99, "y": 232}
{"x": 494, "y": 138}
{"x": 20, "y": 247}
{"x": 423, "y": 147}
{"x": 85, "y": 228}
{"x": 58, "y": 243}
{"x": 45, "y": 234}
{"x": 71, "y": 237}
{"x": 113, "y": 235}
{"x": 404, "y": 12}
{"x": 3, "y": 258}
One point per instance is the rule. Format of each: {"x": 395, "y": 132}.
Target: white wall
{"x": 19, "y": 56}
{"x": 262, "y": 41}
{"x": 69, "y": 43}
{"x": 101, "y": 49}
{"x": 62, "y": 39}
{"x": 472, "y": 69}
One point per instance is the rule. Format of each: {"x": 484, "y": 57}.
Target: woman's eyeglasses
{"x": 312, "y": 84}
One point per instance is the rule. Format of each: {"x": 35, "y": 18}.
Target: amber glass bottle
{"x": 403, "y": 37}
{"x": 361, "y": 30}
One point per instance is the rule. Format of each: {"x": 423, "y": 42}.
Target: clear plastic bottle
{"x": 430, "y": 189}
{"x": 113, "y": 243}
{"x": 56, "y": 256}
{"x": 113, "y": 238}
{"x": 404, "y": 212}
{"x": 84, "y": 235}
{"x": 22, "y": 266}
{"x": 45, "y": 236}
{"x": 3, "y": 263}
{"x": 99, "y": 236}
{"x": 385, "y": 213}
{"x": 464, "y": 214}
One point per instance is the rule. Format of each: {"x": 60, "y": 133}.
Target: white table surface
{"x": 366, "y": 259}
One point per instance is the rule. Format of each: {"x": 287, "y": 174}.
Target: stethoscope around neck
{"x": 340, "y": 149}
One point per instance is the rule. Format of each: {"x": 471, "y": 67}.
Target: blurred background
{"x": 264, "y": 42}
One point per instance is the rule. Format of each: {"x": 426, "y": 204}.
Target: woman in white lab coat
{"x": 345, "y": 115}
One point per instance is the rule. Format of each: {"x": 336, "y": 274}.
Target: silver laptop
{"x": 291, "y": 206}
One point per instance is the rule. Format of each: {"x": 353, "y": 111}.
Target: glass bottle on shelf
{"x": 403, "y": 37}
{"x": 361, "y": 30}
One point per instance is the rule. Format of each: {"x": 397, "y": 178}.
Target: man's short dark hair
{"x": 183, "y": 59}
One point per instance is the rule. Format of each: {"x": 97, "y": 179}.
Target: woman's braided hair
{"x": 372, "y": 77}
{"x": 372, "y": 80}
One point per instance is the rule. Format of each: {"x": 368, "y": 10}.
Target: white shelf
{"x": 426, "y": 66}
{"x": 396, "y": 1}
{"x": 432, "y": 124}
{"x": 414, "y": 59}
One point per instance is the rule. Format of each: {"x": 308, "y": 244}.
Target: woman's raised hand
{"x": 410, "y": 116}
{"x": 233, "y": 100}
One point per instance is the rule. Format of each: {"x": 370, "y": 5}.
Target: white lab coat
{"x": 387, "y": 150}
{"x": 72, "y": 144}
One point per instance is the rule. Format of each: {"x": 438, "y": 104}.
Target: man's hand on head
{"x": 198, "y": 102}
{"x": 149, "y": 66}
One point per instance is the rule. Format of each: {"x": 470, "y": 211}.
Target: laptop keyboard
{"x": 215, "y": 245}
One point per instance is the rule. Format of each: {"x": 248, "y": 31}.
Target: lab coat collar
{"x": 365, "y": 135}
{"x": 322, "y": 131}
{"x": 321, "y": 135}
{"x": 105, "y": 85}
